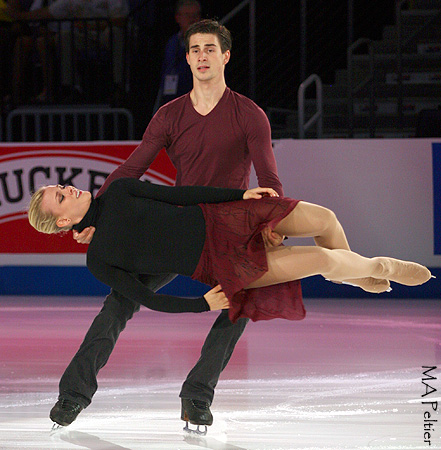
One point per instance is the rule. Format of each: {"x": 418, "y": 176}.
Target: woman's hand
{"x": 216, "y": 299}
{"x": 271, "y": 238}
{"x": 259, "y": 192}
{"x": 85, "y": 237}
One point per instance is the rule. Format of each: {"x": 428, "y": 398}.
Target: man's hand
{"x": 259, "y": 192}
{"x": 271, "y": 238}
{"x": 216, "y": 299}
{"x": 85, "y": 237}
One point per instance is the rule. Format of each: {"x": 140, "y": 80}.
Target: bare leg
{"x": 295, "y": 263}
{"x": 309, "y": 220}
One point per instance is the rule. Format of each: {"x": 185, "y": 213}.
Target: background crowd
{"x": 58, "y": 52}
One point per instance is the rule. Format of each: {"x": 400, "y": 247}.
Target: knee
{"x": 118, "y": 306}
{"x": 325, "y": 260}
{"x": 326, "y": 219}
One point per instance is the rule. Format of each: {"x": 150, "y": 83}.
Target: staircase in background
{"x": 420, "y": 82}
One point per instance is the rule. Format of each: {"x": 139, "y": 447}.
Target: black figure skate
{"x": 198, "y": 413}
{"x": 64, "y": 413}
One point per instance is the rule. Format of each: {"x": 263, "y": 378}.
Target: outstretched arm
{"x": 180, "y": 195}
{"x": 188, "y": 195}
{"x": 129, "y": 286}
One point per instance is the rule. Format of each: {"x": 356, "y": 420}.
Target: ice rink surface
{"x": 349, "y": 376}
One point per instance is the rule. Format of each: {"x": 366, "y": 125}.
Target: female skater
{"x": 213, "y": 235}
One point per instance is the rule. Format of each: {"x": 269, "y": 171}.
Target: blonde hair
{"x": 44, "y": 222}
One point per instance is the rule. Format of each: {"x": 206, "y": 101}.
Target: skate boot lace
{"x": 68, "y": 405}
{"x": 200, "y": 404}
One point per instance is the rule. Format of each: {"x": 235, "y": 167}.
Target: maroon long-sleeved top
{"x": 212, "y": 150}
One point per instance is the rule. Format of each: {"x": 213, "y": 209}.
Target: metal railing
{"x": 317, "y": 118}
{"x": 81, "y": 123}
{"x": 353, "y": 90}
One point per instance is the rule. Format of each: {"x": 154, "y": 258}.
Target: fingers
{"x": 217, "y": 288}
{"x": 259, "y": 192}
{"x": 85, "y": 237}
{"x": 271, "y": 238}
{"x": 275, "y": 239}
{"x": 216, "y": 299}
{"x": 225, "y": 304}
{"x": 271, "y": 192}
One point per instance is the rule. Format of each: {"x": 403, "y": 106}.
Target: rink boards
{"x": 386, "y": 193}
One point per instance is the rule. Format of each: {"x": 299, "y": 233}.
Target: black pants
{"x": 79, "y": 382}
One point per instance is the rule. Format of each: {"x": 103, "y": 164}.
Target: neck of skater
{"x": 205, "y": 96}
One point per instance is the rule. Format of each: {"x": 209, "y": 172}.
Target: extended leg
{"x": 295, "y": 263}
{"x": 309, "y": 220}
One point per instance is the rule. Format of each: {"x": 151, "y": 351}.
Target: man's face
{"x": 187, "y": 15}
{"x": 205, "y": 57}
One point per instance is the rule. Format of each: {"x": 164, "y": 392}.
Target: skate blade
{"x": 196, "y": 432}
{"x": 56, "y": 428}
{"x": 389, "y": 289}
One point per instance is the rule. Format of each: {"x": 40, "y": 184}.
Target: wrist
{"x": 207, "y": 305}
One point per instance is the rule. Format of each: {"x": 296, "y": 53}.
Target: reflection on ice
{"x": 347, "y": 377}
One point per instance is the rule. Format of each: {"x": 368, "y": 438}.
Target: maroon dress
{"x": 234, "y": 256}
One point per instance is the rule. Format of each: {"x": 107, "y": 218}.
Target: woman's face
{"x": 67, "y": 203}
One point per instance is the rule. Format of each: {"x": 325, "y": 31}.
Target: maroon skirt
{"x": 234, "y": 256}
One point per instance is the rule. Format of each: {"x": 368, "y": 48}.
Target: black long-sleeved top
{"x": 144, "y": 228}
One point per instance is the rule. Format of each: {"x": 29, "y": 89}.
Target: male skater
{"x": 212, "y": 135}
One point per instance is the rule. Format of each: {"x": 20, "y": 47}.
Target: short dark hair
{"x": 209, "y": 26}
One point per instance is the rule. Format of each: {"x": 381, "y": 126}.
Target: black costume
{"x": 143, "y": 233}
{"x": 143, "y": 228}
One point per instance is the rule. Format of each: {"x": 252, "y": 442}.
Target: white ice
{"x": 349, "y": 376}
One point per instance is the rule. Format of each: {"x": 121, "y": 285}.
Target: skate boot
{"x": 197, "y": 412}
{"x": 403, "y": 272}
{"x": 65, "y": 412}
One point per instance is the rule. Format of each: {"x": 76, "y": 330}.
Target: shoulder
{"x": 243, "y": 101}
{"x": 117, "y": 184}
{"x": 248, "y": 111}
{"x": 175, "y": 104}
{"x": 245, "y": 105}
{"x": 119, "y": 187}
{"x": 167, "y": 116}
{"x": 171, "y": 109}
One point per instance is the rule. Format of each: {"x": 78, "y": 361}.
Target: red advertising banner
{"x": 24, "y": 168}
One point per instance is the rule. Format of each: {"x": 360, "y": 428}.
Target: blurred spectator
{"x": 176, "y": 78}
{"x": 10, "y": 32}
{"x": 37, "y": 44}
{"x": 96, "y": 36}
